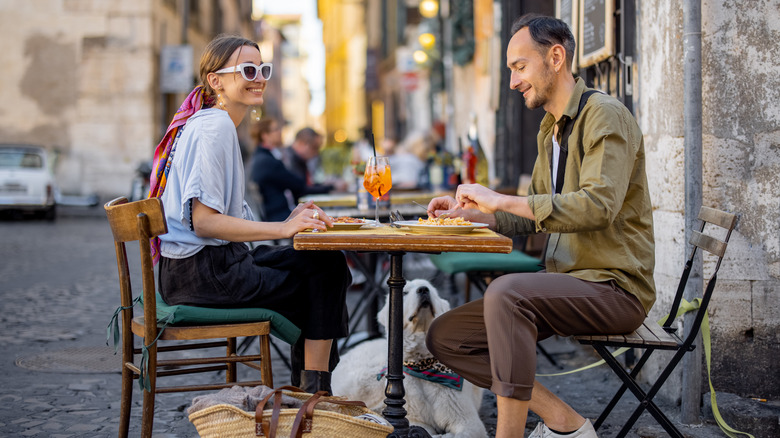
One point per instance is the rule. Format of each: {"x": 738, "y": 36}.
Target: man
{"x": 278, "y": 187}
{"x": 600, "y": 254}
{"x": 304, "y": 149}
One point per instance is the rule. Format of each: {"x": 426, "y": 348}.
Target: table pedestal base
{"x": 394, "y": 403}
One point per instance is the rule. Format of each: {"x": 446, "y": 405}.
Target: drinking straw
{"x": 371, "y": 140}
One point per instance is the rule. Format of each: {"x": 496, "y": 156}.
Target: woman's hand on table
{"x": 306, "y": 216}
{"x": 208, "y": 222}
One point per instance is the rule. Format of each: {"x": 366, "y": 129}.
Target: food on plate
{"x": 348, "y": 220}
{"x": 443, "y": 221}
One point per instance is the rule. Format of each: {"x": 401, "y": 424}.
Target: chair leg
{"x": 282, "y": 354}
{"x": 548, "y": 356}
{"x": 362, "y": 310}
{"x": 647, "y": 402}
{"x": 645, "y": 398}
{"x": 230, "y": 372}
{"x": 453, "y": 285}
{"x": 622, "y": 390}
{"x": 126, "y": 402}
{"x": 659, "y": 416}
{"x": 147, "y": 418}
{"x": 266, "y": 375}
{"x": 481, "y": 282}
{"x": 147, "y": 421}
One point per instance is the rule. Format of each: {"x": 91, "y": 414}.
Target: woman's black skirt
{"x": 307, "y": 287}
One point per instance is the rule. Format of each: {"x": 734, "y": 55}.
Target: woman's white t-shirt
{"x": 206, "y": 165}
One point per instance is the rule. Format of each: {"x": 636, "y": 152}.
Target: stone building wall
{"x": 81, "y": 78}
{"x": 78, "y": 78}
{"x": 741, "y": 174}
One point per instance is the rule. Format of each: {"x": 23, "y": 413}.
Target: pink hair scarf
{"x": 163, "y": 154}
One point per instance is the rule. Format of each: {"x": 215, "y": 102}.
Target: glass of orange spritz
{"x": 377, "y": 180}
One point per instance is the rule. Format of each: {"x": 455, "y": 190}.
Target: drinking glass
{"x": 377, "y": 180}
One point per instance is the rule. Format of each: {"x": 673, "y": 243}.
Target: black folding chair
{"x": 651, "y": 336}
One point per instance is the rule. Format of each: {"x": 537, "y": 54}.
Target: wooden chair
{"x": 651, "y": 336}
{"x": 140, "y": 221}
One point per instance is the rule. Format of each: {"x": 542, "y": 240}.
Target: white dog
{"x": 443, "y": 411}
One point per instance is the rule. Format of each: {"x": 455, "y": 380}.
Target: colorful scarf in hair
{"x": 163, "y": 153}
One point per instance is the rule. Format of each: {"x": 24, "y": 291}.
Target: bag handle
{"x": 265, "y": 428}
{"x": 305, "y": 416}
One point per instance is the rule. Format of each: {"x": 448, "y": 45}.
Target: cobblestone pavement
{"x": 60, "y": 380}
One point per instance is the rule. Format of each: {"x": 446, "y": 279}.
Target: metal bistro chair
{"x": 651, "y": 336}
{"x": 140, "y": 221}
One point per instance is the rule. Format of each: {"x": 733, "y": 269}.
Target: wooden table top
{"x": 388, "y": 239}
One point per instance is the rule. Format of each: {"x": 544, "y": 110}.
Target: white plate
{"x": 441, "y": 229}
{"x": 351, "y": 226}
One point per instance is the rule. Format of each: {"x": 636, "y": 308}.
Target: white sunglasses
{"x": 250, "y": 71}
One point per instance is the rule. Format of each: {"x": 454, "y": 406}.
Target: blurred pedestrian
{"x": 278, "y": 188}
{"x": 268, "y": 134}
{"x": 302, "y": 159}
{"x": 407, "y": 167}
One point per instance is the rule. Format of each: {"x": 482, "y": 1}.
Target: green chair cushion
{"x": 456, "y": 262}
{"x": 281, "y": 327}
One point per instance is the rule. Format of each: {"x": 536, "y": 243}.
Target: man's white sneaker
{"x": 585, "y": 431}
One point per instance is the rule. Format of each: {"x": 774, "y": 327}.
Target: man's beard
{"x": 543, "y": 92}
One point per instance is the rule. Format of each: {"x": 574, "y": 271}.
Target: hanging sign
{"x": 569, "y": 12}
{"x": 597, "y": 31}
{"x": 410, "y": 80}
{"x": 176, "y": 69}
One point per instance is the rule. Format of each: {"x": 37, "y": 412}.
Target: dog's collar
{"x": 432, "y": 370}
{"x": 429, "y": 363}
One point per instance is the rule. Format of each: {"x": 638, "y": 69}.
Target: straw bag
{"x": 337, "y": 417}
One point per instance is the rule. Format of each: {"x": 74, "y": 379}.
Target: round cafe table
{"x": 396, "y": 242}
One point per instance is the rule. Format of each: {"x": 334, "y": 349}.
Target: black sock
{"x": 560, "y": 433}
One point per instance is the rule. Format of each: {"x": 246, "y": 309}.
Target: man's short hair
{"x": 261, "y": 128}
{"x": 307, "y": 135}
{"x": 547, "y": 32}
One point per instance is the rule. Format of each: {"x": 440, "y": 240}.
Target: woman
{"x": 199, "y": 176}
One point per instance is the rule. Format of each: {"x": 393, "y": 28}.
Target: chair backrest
{"x": 136, "y": 221}
{"x": 707, "y": 241}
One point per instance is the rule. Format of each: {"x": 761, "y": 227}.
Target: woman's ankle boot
{"x": 313, "y": 381}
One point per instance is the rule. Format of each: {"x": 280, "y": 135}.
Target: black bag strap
{"x": 567, "y": 127}
{"x": 562, "y": 157}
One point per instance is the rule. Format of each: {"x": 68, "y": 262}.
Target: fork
{"x": 420, "y": 205}
{"x": 395, "y": 216}
{"x": 443, "y": 215}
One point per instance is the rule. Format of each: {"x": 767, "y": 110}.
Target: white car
{"x": 26, "y": 180}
